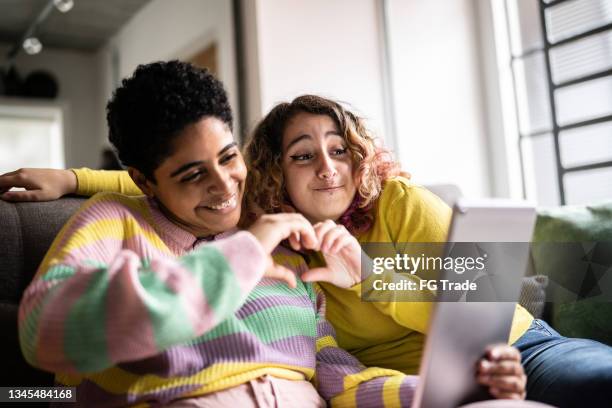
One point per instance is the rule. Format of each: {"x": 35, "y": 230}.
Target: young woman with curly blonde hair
{"x": 317, "y": 157}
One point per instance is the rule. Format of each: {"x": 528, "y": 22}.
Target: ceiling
{"x": 86, "y": 27}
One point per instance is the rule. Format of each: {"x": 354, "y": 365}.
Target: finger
{"x": 343, "y": 241}
{"x": 330, "y": 238}
{"x": 281, "y": 273}
{"x": 294, "y": 241}
{"x": 317, "y": 275}
{"x": 283, "y": 276}
{"x": 10, "y": 173}
{"x": 503, "y": 367}
{"x": 502, "y": 352}
{"x": 328, "y": 233}
{"x": 4, "y": 184}
{"x": 483, "y": 379}
{"x": 488, "y": 369}
{"x": 306, "y": 234}
{"x": 507, "y": 383}
{"x": 516, "y": 384}
{"x": 321, "y": 230}
{"x": 20, "y": 196}
{"x": 15, "y": 180}
{"x": 499, "y": 394}
{"x": 294, "y": 224}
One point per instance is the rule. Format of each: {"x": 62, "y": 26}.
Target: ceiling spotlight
{"x": 32, "y": 45}
{"x": 64, "y": 5}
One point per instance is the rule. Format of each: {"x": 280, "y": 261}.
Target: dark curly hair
{"x": 152, "y": 107}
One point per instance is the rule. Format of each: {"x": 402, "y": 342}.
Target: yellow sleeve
{"x": 344, "y": 382}
{"x": 520, "y": 323}
{"x": 90, "y": 182}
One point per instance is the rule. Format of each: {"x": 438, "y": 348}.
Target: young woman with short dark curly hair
{"x": 157, "y": 300}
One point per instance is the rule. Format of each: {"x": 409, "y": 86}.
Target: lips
{"x": 327, "y": 188}
{"x": 229, "y": 202}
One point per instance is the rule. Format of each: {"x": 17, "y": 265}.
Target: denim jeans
{"x": 565, "y": 372}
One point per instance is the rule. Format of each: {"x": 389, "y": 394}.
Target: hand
{"x": 281, "y": 273}
{"x": 271, "y": 229}
{"x": 501, "y": 371}
{"x": 40, "y": 184}
{"x": 342, "y": 254}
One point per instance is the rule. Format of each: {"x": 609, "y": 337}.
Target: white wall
{"x": 439, "y": 94}
{"x": 333, "y": 48}
{"x": 318, "y": 46}
{"x": 77, "y": 75}
{"x": 165, "y": 30}
{"x": 502, "y": 153}
{"x": 251, "y": 63}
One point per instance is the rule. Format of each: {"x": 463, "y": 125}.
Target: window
{"x": 30, "y": 136}
{"x": 560, "y": 57}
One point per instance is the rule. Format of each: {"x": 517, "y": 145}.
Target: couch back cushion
{"x": 26, "y": 232}
{"x": 573, "y": 247}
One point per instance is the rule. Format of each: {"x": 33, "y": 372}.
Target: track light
{"x": 64, "y": 5}
{"x": 32, "y": 45}
{"x": 28, "y": 41}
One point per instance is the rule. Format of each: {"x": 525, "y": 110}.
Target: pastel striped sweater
{"x": 135, "y": 311}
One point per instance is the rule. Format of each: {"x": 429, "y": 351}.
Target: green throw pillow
{"x": 573, "y": 247}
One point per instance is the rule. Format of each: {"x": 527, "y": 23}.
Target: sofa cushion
{"x": 533, "y": 294}
{"x": 573, "y": 247}
{"x": 11, "y": 254}
{"x": 26, "y": 232}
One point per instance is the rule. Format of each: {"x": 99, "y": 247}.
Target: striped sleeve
{"x": 90, "y": 182}
{"x": 344, "y": 382}
{"x": 95, "y": 302}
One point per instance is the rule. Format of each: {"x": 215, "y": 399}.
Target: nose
{"x": 326, "y": 169}
{"x": 221, "y": 182}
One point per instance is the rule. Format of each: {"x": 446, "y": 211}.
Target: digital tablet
{"x": 463, "y": 324}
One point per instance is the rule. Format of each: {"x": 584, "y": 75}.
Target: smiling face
{"x": 317, "y": 167}
{"x": 201, "y": 184}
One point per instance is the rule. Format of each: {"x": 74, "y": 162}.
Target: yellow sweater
{"x": 381, "y": 334}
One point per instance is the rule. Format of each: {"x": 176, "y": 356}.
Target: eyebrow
{"x": 189, "y": 165}
{"x": 307, "y": 136}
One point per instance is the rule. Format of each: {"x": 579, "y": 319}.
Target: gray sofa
{"x": 26, "y": 232}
